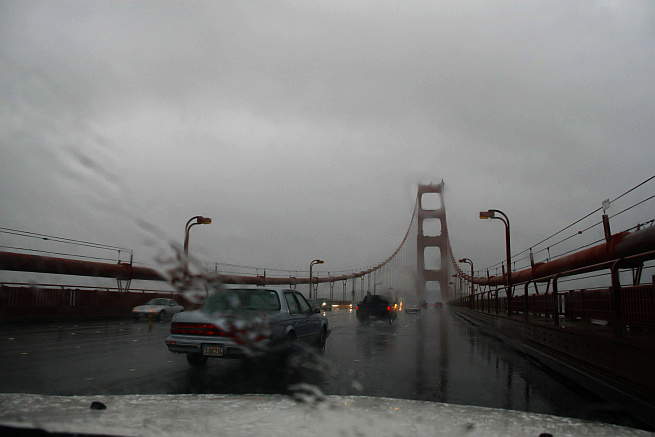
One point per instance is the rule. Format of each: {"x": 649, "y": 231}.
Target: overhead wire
{"x": 583, "y": 230}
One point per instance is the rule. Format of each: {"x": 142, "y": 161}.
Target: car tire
{"x": 322, "y": 339}
{"x": 161, "y": 316}
{"x": 196, "y": 360}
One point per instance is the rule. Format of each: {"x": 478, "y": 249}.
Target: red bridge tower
{"x": 432, "y": 245}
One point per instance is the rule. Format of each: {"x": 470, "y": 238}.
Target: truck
{"x": 376, "y": 307}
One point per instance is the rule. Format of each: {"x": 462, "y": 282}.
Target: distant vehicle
{"x": 411, "y": 307}
{"x": 376, "y": 307}
{"x": 246, "y": 322}
{"x": 423, "y": 304}
{"x": 159, "y": 308}
{"x": 438, "y": 305}
{"x": 323, "y": 304}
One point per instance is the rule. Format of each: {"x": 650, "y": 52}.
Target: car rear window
{"x": 374, "y": 298}
{"x": 235, "y": 300}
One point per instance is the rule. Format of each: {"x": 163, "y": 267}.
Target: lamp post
{"x": 311, "y": 266}
{"x": 200, "y": 220}
{"x": 491, "y": 214}
{"x": 468, "y": 261}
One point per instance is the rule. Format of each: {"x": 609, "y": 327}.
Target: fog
{"x": 303, "y": 128}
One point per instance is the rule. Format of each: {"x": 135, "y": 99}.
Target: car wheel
{"x": 322, "y": 339}
{"x": 161, "y": 316}
{"x": 196, "y": 360}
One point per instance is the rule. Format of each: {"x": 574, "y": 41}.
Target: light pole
{"x": 200, "y": 220}
{"x": 491, "y": 214}
{"x": 311, "y": 266}
{"x": 468, "y": 261}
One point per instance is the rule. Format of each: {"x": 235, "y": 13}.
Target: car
{"x": 411, "y": 307}
{"x": 423, "y": 304}
{"x": 438, "y": 305}
{"x": 159, "y": 308}
{"x": 376, "y": 307}
{"x": 247, "y": 322}
{"x": 323, "y": 304}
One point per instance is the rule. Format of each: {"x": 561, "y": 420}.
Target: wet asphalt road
{"x": 434, "y": 356}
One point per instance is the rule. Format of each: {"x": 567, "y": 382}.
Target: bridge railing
{"x": 637, "y": 305}
{"x": 21, "y": 301}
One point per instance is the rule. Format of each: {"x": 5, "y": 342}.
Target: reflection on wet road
{"x": 433, "y": 356}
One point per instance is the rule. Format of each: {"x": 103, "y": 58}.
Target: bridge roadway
{"x": 434, "y": 356}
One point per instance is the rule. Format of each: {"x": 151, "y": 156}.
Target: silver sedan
{"x": 159, "y": 308}
{"x": 244, "y": 321}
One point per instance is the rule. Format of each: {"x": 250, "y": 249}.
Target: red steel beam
{"x": 63, "y": 266}
{"x": 621, "y": 245}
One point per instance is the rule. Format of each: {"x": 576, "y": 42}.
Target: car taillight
{"x": 388, "y": 308}
{"x": 196, "y": 329}
{"x": 357, "y": 307}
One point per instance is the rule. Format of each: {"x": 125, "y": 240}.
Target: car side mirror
{"x": 317, "y": 310}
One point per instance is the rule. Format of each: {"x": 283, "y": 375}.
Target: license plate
{"x": 212, "y": 350}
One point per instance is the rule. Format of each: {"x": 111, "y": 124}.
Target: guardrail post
{"x": 617, "y": 313}
{"x": 555, "y": 301}
{"x": 497, "y": 302}
{"x": 527, "y": 304}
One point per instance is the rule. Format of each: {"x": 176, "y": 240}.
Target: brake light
{"x": 196, "y": 329}
{"x": 388, "y": 308}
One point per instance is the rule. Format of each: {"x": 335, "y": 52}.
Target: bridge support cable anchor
{"x": 331, "y": 289}
{"x": 555, "y": 301}
{"x": 617, "y": 313}
{"x": 526, "y": 308}
{"x": 125, "y": 286}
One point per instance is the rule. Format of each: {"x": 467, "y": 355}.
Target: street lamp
{"x": 491, "y": 214}
{"x": 468, "y": 261}
{"x": 200, "y": 220}
{"x": 311, "y": 266}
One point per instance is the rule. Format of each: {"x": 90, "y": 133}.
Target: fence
{"x": 637, "y": 305}
{"x": 30, "y": 302}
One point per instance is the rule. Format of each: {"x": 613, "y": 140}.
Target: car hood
{"x": 306, "y": 413}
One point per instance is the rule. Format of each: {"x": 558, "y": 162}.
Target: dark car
{"x": 423, "y": 304}
{"x": 242, "y": 321}
{"x": 376, "y": 307}
{"x": 438, "y": 305}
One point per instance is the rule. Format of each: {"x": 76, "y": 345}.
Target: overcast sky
{"x": 302, "y": 128}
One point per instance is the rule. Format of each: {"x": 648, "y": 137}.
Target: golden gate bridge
{"x": 603, "y": 335}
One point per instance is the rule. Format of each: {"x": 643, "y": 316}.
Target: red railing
{"x": 637, "y": 305}
{"x": 25, "y": 302}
